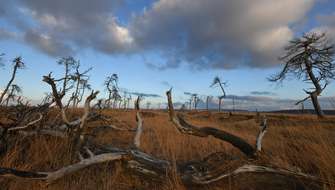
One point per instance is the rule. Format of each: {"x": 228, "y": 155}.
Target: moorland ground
{"x": 300, "y": 142}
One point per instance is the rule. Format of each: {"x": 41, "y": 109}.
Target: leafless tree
{"x": 1, "y": 60}
{"x": 13, "y": 92}
{"x": 218, "y": 82}
{"x": 309, "y": 58}
{"x": 81, "y": 84}
{"x": 111, "y": 84}
{"x": 193, "y": 100}
{"x": 69, "y": 64}
{"x": 148, "y": 105}
{"x": 220, "y": 102}
{"x": 18, "y": 64}
{"x": 208, "y": 99}
{"x": 146, "y": 165}
{"x": 196, "y": 100}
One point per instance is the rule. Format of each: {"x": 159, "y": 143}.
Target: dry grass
{"x": 302, "y": 142}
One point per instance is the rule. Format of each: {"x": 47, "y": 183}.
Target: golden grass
{"x": 302, "y": 142}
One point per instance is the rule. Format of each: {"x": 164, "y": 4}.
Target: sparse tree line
{"x": 309, "y": 57}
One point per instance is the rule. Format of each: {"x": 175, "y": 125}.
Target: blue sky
{"x": 152, "y": 45}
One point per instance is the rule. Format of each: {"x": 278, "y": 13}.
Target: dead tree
{"x": 81, "y": 84}
{"x": 208, "y": 99}
{"x": 220, "y": 102}
{"x": 69, "y": 64}
{"x": 148, "y": 166}
{"x": 217, "y": 82}
{"x": 193, "y": 101}
{"x": 111, "y": 85}
{"x": 18, "y": 64}
{"x": 309, "y": 58}
{"x": 13, "y": 92}
{"x": 196, "y": 100}
{"x": 1, "y": 63}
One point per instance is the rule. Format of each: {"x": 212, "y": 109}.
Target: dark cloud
{"x": 204, "y": 34}
{"x": 264, "y": 93}
{"x": 327, "y": 25}
{"x": 47, "y": 44}
{"x": 49, "y": 25}
{"x": 217, "y": 33}
{"x": 6, "y": 35}
{"x": 262, "y": 103}
{"x": 146, "y": 95}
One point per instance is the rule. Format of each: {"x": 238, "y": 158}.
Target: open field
{"x": 296, "y": 142}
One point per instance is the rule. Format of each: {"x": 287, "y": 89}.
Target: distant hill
{"x": 311, "y": 111}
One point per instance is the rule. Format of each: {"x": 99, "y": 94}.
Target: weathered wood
{"x": 187, "y": 128}
{"x": 40, "y": 116}
{"x": 139, "y": 130}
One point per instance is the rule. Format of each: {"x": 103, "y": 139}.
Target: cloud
{"x": 218, "y": 33}
{"x": 266, "y": 93}
{"x": 6, "y": 35}
{"x": 203, "y": 34}
{"x": 327, "y": 25}
{"x": 47, "y": 44}
{"x": 262, "y": 103}
{"x": 80, "y": 24}
{"x": 146, "y": 95}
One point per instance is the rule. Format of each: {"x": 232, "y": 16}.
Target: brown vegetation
{"x": 300, "y": 142}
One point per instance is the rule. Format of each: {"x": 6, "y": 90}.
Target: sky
{"x": 156, "y": 44}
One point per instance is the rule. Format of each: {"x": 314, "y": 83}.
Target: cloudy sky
{"x": 153, "y": 45}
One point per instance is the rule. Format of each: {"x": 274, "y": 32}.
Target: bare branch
{"x": 40, "y": 116}
{"x": 187, "y": 128}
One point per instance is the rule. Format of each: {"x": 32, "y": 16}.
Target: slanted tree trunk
{"x": 16, "y": 66}
{"x": 317, "y": 106}
{"x": 220, "y": 100}
{"x": 314, "y": 95}
{"x": 207, "y": 100}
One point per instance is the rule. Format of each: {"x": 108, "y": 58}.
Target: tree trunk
{"x": 316, "y": 105}
{"x": 314, "y": 95}
{"x": 10, "y": 82}
{"x": 207, "y": 100}
{"x": 220, "y": 104}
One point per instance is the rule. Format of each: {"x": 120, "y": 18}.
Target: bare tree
{"x": 69, "y": 64}
{"x": 111, "y": 84}
{"x": 148, "y": 105}
{"x": 220, "y": 102}
{"x": 193, "y": 101}
{"x": 196, "y": 100}
{"x": 18, "y": 64}
{"x": 309, "y": 58}
{"x": 13, "y": 92}
{"x": 217, "y": 82}
{"x": 1, "y": 63}
{"x": 81, "y": 84}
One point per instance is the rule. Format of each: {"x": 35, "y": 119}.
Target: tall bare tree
{"x": 13, "y": 92}
{"x": 196, "y": 100}
{"x": 111, "y": 84}
{"x": 309, "y": 58}
{"x": 81, "y": 84}
{"x": 218, "y": 82}
{"x": 18, "y": 64}
{"x": 220, "y": 102}
{"x": 69, "y": 64}
{"x": 208, "y": 99}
